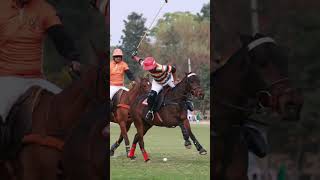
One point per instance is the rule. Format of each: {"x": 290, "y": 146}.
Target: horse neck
{"x": 230, "y": 81}
{"x": 71, "y": 103}
{"x": 179, "y": 92}
{"x": 230, "y": 86}
{"x": 132, "y": 94}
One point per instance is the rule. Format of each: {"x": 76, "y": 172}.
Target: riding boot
{"x": 151, "y": 103}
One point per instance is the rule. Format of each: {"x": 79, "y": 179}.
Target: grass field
{"x": 182, "y": 163}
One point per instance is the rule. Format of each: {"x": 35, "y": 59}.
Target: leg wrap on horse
{"x": 115, "y": 146}
{"x": 145, "y": 155}
{"x": 132, "y": 150}
{"x": 198, "y": 145}
{"x": 184, "y": 132}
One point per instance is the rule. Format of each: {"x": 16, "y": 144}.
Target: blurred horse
{"x": 171, "y": 112}
{"x": 257, "y": 72}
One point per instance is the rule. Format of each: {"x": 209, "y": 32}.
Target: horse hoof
{"x": 133, "y": 157}
{"x": 202, "y": 152}
{"x": 188, "y": 146}
{"x": 111, "y": 153}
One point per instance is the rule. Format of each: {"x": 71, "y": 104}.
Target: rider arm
{"x": 130, "y": 75}
{"x": 52, "y": 25}
{"x": 138, "y": 59}
{"x": 173, "y": 71}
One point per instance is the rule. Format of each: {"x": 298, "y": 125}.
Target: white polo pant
{"x": 158, "y": 87}
{"x": 13, "y": 87}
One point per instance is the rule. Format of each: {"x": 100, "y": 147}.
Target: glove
{"x": 134, "y": 53}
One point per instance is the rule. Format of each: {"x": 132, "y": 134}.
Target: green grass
{"x": 182, "y": 163}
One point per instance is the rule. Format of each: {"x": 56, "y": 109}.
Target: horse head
{"x": 193, "y": 86}
{"x": 142, "y": 84}
{"x": 269, "y": 66}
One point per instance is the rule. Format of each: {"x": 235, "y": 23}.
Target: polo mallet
{"x": 166, "y": 1}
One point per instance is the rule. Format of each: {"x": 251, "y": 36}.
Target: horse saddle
{"x": 160, "y": 99}
{"x": 19, "y": 122}
{"x": 256, "y": 142}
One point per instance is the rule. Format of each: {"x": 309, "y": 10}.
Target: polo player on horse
{"x": 163, "y": 75}
{"x": 118, "y": 68}
{"x": 23, "y": 27}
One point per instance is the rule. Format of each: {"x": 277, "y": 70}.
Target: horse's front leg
{"x": 141, "y": 133}
{"x": 199, "y": 147}
{"x": 185, "y": 135}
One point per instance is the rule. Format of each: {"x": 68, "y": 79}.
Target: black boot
{"x": 151, "y": 103}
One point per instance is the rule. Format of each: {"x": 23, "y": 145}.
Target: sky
{"x": 120, "y": 9}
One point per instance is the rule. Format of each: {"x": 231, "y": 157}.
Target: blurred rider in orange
{"x": 118, "y": 68}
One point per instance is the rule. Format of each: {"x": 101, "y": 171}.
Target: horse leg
{"x": 186, "y": 136}
{"x": 116, "y": 145}
{"x": 133, "y": 147}
{"x": 196, "y": 143}
{"x": 142, "y": 132}
{"x": 123, "y": 120}
{"x": 128, "y": 145}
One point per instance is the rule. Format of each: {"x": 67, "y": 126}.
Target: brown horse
{"x": 258, "y": 69}
{"x": 44, "y": 130}
{"x": 172, "y": 113}
{"x": 120, "y": 113}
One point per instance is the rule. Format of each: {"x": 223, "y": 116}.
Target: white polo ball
{"x": 165, "y": 159}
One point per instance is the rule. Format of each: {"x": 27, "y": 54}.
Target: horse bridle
{"x": 172, "y": 101}
{"x": 268, "y": 89}
{"x": 193, "y": 89}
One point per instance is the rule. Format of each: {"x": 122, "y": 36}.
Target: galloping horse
{"x": 120, "y": 114}
{"x": 173, "y": 112}
{"x": 257, "y": 70}
{"x": 46, "y": 123}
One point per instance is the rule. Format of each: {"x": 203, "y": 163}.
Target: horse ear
{"x": 245, "y": 39}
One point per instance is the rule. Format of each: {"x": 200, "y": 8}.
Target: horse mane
{"x": 236, "y": 55}
{"x": 179, "y": 83}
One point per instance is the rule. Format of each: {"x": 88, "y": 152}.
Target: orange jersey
{"x": 117, "y": 71}
{"x": 22, "y": 32}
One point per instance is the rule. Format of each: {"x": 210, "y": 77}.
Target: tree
{"x": 179, "y": 36}
{"x": 134, "y": 30}
{"x": 205, "y": 12}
